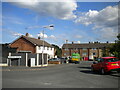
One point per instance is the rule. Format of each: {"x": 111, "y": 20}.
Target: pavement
{"x": 59, "y": 76}
{"x": 24, "y": 68}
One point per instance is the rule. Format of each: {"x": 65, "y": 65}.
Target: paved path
{"x": 23, "y": 68}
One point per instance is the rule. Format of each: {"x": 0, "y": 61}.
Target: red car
{"x": 106, "y": 64}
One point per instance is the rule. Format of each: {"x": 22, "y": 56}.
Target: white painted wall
{"x": 48, "y": 50}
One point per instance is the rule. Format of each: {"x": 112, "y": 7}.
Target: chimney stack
{"x": 39, "y": 37}
{"x": 107, "y": 42}
{"x": 27, "y": 34}
{"x": 72, "y": 42}
{"x": 66, "y": 41}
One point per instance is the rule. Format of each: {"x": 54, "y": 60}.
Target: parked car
{"x": 106, "y": 64}
{"x": 54, "y": 59}
{"x": 63, "y": 60}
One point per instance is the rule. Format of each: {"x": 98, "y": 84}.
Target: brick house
{"x": 33, "y": 45}
{"x": 86, "y": 50}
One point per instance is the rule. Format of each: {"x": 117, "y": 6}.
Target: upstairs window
{"x": 93, "y": 48}
{"x": 84, "y": 54}
{"x": 39, "y": 48}
{"x": 66, "y": 49}
{"x": 65, "y": 54}
{"x": 47, "y": 48}
{"x": 51, "y": 48}
{"x": 84, "y": 49}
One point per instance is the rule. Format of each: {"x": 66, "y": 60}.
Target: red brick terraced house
{"x": 86, "y": 50}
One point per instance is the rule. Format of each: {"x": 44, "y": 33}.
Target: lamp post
{"x": 43, "y": 49}
{"x": 49, "y": 26}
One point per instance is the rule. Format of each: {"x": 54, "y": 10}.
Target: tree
{"x": 105, "y": 51}
{"x": 58, "y": 50}
{"x": 115, "y": 48}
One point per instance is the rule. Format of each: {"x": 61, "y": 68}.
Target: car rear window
{"x": 112, "y": 60}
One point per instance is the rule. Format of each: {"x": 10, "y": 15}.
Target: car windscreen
{"x": 112, "y": 60}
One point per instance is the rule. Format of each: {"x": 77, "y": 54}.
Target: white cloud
{"x": 13, "y": 20}
{"x": 42, "y": 35}
{"x": 61, "y": 10}
{"x": 30, "y": 35}
{"x": 78, "y": 41}
{"x": 33, "y": 27}
{"x": 105, "y": 21}
{"x": 16, "y": 34}
{"x": 106, "y": 17}
{"x": 11, "y": 33}
{"x": 52, "y": 36}
{"x": 78, "y": 36}
{"x": 107, "y": 33}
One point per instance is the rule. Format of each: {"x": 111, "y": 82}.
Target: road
{"x": 59, "y": 76}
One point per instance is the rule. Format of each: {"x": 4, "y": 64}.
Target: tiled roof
{"x": 86, "y": 45}
{"x": 37, "y": 42}
{"x": 34, "y": 41}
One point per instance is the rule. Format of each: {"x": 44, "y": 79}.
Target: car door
{"x": 98, "y": 65}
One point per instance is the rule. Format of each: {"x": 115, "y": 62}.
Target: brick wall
{"x": 98, "y": 52}
{"x": 23, "y": 45}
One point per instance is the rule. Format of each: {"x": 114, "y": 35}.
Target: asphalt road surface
{"x": 59, "y": 76}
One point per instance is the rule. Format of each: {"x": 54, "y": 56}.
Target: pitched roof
{"x": 34, "y": 41}
{"x": 86, "y": 45}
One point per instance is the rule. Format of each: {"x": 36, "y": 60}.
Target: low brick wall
{"x": 54, "y": 62}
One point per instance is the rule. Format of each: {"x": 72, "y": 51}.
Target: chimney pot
{"x": 38, "y": 37}
{"x": 66, "y": 41}
{"x": 27, "y": 34}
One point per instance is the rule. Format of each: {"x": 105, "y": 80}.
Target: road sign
{"x": 14, "y": 57}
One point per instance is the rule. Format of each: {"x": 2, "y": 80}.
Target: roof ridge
{"x": 36, "y": 41}
{"x": 30, "y": 37}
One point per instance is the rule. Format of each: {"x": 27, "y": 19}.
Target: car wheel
{"x": 102, "y": 71}
{"x": 92, "y": 69}
{"x": 118, "y": 71}
{"x": 76, "y": 62}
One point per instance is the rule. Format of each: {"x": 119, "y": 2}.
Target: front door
{"x": 14, "y": 62}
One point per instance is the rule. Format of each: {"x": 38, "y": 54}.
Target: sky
{"x": 81, "y": 22}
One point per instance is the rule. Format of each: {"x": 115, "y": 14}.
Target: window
{"x": 112, "y": 60}
{"x": 101, "y": 60}
{"x": 66, "y": 49}
{"x": 76, "y": 49}
{"x": 39, "y": 48}
{"x": 84, "y": 49}
{"x": 93, "y": 48}
{"x": 65, "y": 54}
{"x": 84, "y": 54}
{"x": 44, "y": 48}
{"x": 47, "y": 48}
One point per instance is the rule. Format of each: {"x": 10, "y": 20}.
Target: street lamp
{"x": 48, "y": 27}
